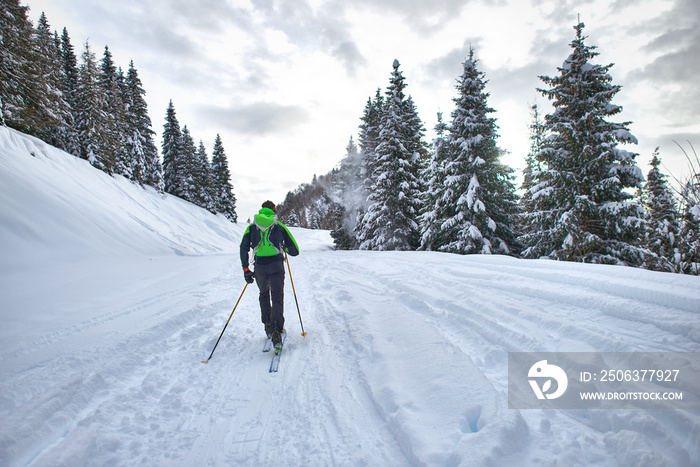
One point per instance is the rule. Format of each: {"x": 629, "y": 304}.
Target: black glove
{"x": 249, "y": 276}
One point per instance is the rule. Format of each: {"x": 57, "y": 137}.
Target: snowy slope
{"x": 113, "y": 294}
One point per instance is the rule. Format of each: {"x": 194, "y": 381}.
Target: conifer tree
{"x": 434, "y": 175}
{"x": 368, "y": 140}
{"x": 371, "y": 120}
{"x": 390, "y": 222}
{"x": 92, "y": 123}
{"x": 113, "y": 153}
{"x": 69, "y": 87}
{"x": 140, "y": 148}
{"x": 348, "y": 195}
{"x": 49, "y": 79}
{"x": 202, "y": 176}
{"x": 415, "y": 133}
{"x": 188, "y": 188}
{"x": 24, "y": 101}
{"x": 581, "y": 209}
{"x": 342, "y": 238}
{"x": 474, "y": 197}
{"x": 138, "y": 140}
{"x": 537, "y": 138}
{"x": 15, "y": 53}
{"x": 172, "y": 153}
{"x": 689, "y": 245}
{"x": 224, "y": 199}
{"x": 662, "y": 228}
{"x": 532, "y": 168}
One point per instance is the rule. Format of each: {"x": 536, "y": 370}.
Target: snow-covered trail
{"x": 405, "y": 363}
{"x": 127, "y": 386}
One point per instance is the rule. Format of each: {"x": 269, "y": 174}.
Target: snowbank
{"x": 58, "y": 208}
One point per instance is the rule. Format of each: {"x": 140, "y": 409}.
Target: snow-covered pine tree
{"x": 124, "y": 163}
{"x": 224, "y": 199}
{"x": 92, "y": 122}
{"x": 203, "y": 181}
{"x": 172, "y": 152}
{"x": 15, "y": 63}
{"x": 538, "y": 134}
{"x": 662, "y": 228}
{"x": 309, "y": 206}
{"x": 49, "y": 78}
{"x": 347, "y": 193}
{"x": 475, "y": 205}
{"x": 342, "y": 239}
{"x": 434, "y": 175}
{"x": 690, "y": 240}
{"x": 689, "y": 244}
{"x": 68, "y": 133}
{"x": 188, "y": 185}
{"x": 113, "y": 152}
{"x": 581, "y": 209}
{"x": 368, "y": 140}
{"x": 24, "y": 96}
{"x": 292, "y": 220}
{"x": 390, "y": 222}
{"x": 133, "y": 125}
{"x": 141, "y": 150}
{"x": 415, "y": 134}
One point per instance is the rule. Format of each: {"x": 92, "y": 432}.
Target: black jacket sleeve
{"x": 245, "y": 248}
{"x": 289, "y": 242}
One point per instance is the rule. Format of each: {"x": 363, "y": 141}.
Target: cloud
{"x": 676, "y": 68}
{"x": 669, "y": 143}
{"x": 212, "y": 16}
{"x": 562, "y": 11}
{"x": 258, "y": 119}
{"x": 165, "y": 26}
{"x": 348, "y": 53}
{"x": 324, "y": 29}
{"x": 448, "y": 68}
{"x": 424, "y": 17}
{"x": 172, "y": 40}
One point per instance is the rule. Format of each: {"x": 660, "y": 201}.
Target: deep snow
{"x": 112, "y": 295}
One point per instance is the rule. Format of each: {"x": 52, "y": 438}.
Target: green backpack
{"x": 265, "y": 223}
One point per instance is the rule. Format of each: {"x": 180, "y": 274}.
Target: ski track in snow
{"x": 144, "y": 392}
{"x": 477, "y": 310}
{"x": 405, "y": 362}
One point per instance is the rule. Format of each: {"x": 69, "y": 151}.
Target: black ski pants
{"x": 270, "y": 280}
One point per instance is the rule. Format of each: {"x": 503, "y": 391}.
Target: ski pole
{"x": 303, "y": 334}
{"x": 229, "y": 319}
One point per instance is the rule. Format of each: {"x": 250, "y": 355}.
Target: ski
{"x": 268, "y": 345}
{"x": 275, "y": 363}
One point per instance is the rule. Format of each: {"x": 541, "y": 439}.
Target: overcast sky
{"x": 285, "y": 81}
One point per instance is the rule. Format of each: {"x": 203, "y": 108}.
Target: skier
{"x": 269, "y": 239}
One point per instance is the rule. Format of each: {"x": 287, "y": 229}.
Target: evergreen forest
{"x": 582, "y": 197}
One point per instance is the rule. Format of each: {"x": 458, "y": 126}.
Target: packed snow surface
{"x": 112, "y": 295}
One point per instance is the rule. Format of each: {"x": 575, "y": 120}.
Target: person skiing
{"x": 269, "y": 239}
